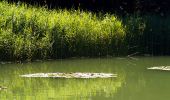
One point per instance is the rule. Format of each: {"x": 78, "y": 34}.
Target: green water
{"x": 134, "y": 81}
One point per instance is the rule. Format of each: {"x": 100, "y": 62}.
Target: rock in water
{"x": 164, "y": 68}
{"x": 71, "y": 75}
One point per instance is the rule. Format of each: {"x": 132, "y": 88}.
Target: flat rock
{"x": 71, "y": 75}
{"x": 164, "y": 68}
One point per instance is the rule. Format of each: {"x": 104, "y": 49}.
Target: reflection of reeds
{"x": 60, "y": 88}
{"x": 29, "y": 32}
{"x": 43, "y": 89}
{"x": 40, "y": 88}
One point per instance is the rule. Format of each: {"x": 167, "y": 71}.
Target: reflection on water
{"x": 54, "y": 88}
{"x": 43, "y": 89}
{"x": 134, "y": 81}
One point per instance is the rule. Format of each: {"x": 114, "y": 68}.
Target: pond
{"x": 133, "y": 82}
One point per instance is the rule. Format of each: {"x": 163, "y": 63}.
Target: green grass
{"x": 28, "y": 33}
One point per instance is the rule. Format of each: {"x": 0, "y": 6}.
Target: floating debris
{"x": 71, "y": 75}
{"x": 164, "y": 68}
{"x": 3, "y": 87}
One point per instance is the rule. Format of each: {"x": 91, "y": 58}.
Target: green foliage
{"x": 35, "y": 33}
{"x": 156, "y": 37}
{"x": 147, "y": 34}
{"x": 135, "y": 27}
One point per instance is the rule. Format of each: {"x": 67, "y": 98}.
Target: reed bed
{"x": 28, "y": 33}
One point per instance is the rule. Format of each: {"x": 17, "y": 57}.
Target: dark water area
{"x": 134, "y": 81}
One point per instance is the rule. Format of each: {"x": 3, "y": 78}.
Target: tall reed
{"x": 28, "y": 32}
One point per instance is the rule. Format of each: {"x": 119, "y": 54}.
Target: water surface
{"x": 134, "y": 81}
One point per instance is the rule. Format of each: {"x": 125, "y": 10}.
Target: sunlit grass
{"x": 28, "y": 32}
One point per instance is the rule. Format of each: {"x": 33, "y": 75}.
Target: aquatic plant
{"x": 34, "y": 33}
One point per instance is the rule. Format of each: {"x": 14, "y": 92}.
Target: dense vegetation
{"x": 29, "y": 32}
{"x": 147, "y": 34}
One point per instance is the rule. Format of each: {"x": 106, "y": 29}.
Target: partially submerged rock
{"x": 164, "y": 68}
{"x": 71, "y": 75}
